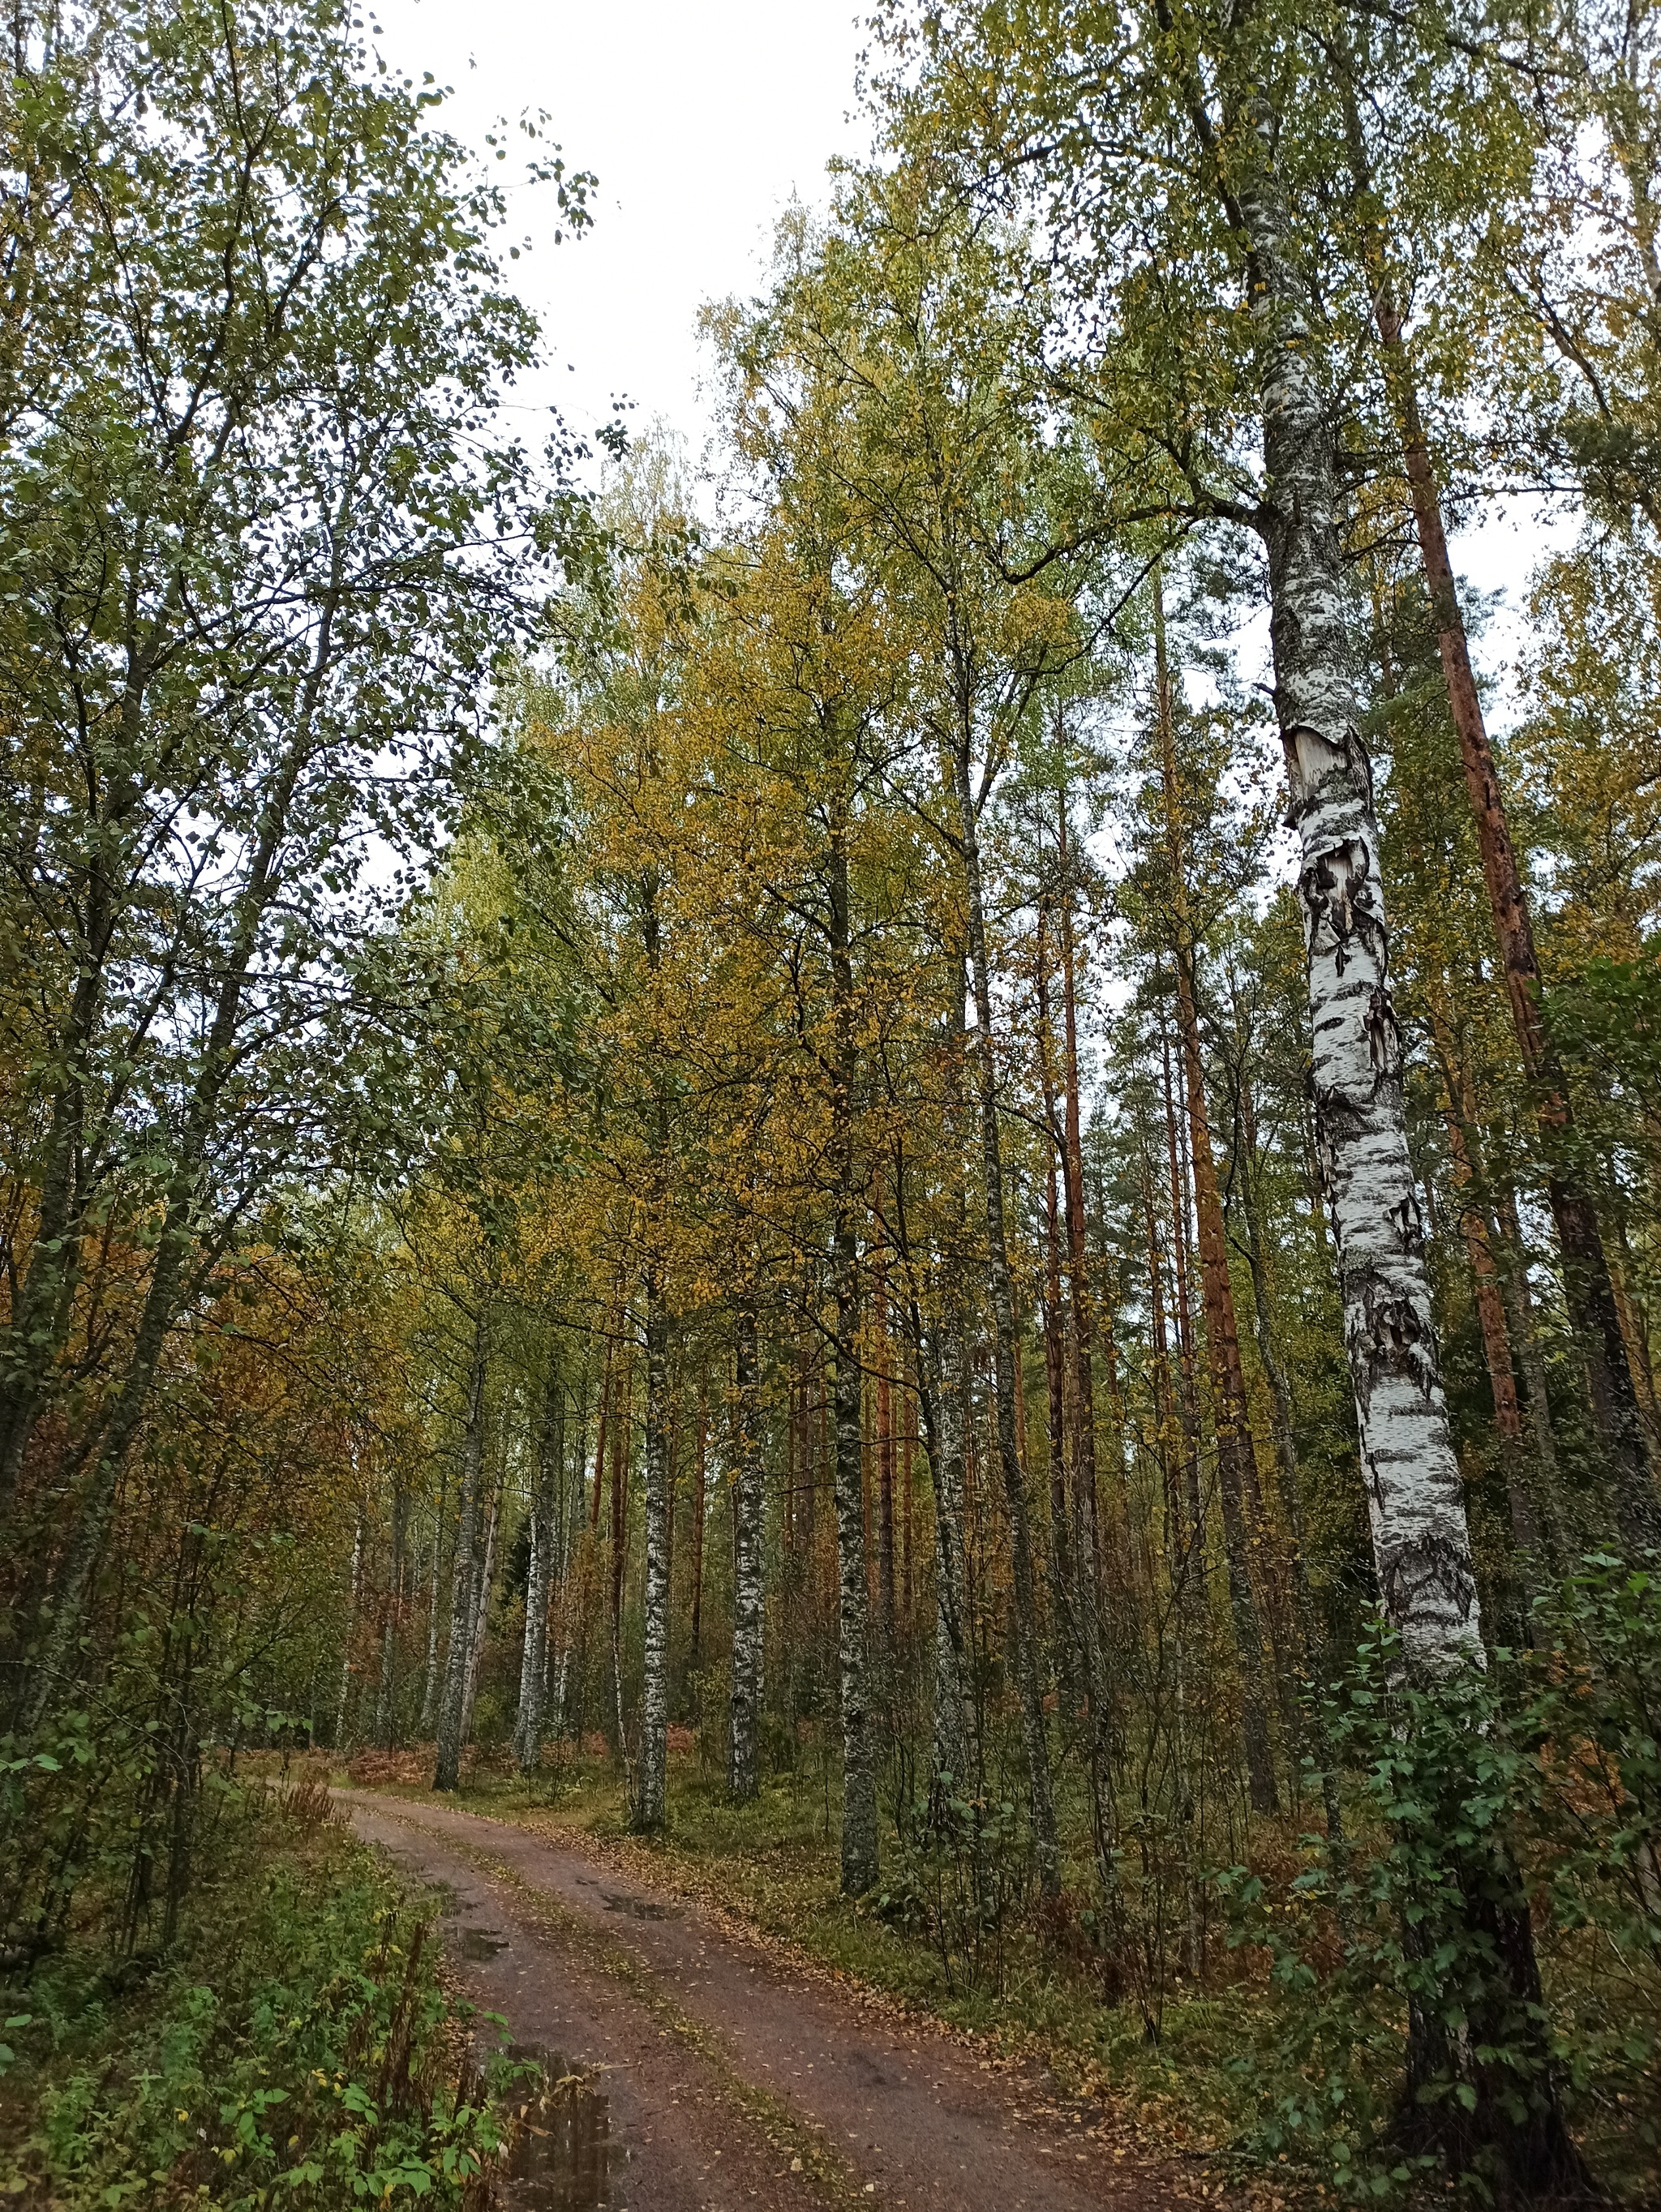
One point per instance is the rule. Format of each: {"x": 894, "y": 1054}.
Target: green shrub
{"x": 1531, "y": 1794}
{"x": 297, "y": 2048}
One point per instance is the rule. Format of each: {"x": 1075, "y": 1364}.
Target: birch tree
{"x": 1227, "y": 97}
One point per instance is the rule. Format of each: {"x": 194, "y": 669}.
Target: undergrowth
{"x": 295, "y": 2046}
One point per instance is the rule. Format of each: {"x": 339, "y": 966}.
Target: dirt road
{"x": 699, "y": 2071}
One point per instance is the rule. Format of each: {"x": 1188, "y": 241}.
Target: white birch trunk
{"x": 571, "y": 1522}
{"x": 1421, "y": 1541}
{"x": 530, "y": 1670}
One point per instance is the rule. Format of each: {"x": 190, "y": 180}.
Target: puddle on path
{"x": 564, "y": 2157}
{"x": 480, "y": 1943}
{"x": 640, "y": 1908}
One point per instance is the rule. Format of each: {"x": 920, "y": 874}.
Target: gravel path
{"x": 699, "y": 2072}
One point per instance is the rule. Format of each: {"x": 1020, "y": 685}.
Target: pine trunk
{"x": 1292, "y": 1489}
{"x": 1490, "y": 1302}
{"x": 1181, "y": 1538}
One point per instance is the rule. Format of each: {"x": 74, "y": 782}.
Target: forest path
{"x": 717, "y": 2074}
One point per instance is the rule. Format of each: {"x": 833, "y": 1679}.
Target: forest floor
{"x": 694, "y": 2060}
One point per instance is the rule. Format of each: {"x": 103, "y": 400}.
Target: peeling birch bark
{"x": 1422, "y": 1545}
{"x": 1615, "y": 1384}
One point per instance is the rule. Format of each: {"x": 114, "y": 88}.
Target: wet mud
{"x": 565, "y": 2157}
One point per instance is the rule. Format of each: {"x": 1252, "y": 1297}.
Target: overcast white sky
{"x": 699, "y": 121}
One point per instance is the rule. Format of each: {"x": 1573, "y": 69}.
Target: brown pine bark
{"x": 1458, "y": 1107}
{"x": 1587, "y": 1282}
{"x": 1237, "y": 1471}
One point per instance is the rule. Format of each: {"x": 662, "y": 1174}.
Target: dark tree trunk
{"x": 464, "y": 1580}
{"x": 742, "y": 1768}
{"x": 1024, "y": 1620}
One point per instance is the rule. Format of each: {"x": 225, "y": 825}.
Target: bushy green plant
{"x": 1494, "y": 1806}
{"x": 959, "y": 1876}
{"x": 298, "y": 2049}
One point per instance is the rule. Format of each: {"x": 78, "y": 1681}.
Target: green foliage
{"x": 1528, "y": 1796}
{"x": 296, "y": 2047}
{"x": 1609, "y": 1019}
{"x": 959, "y": 1876}
{"x": 1595, "y": 1714}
